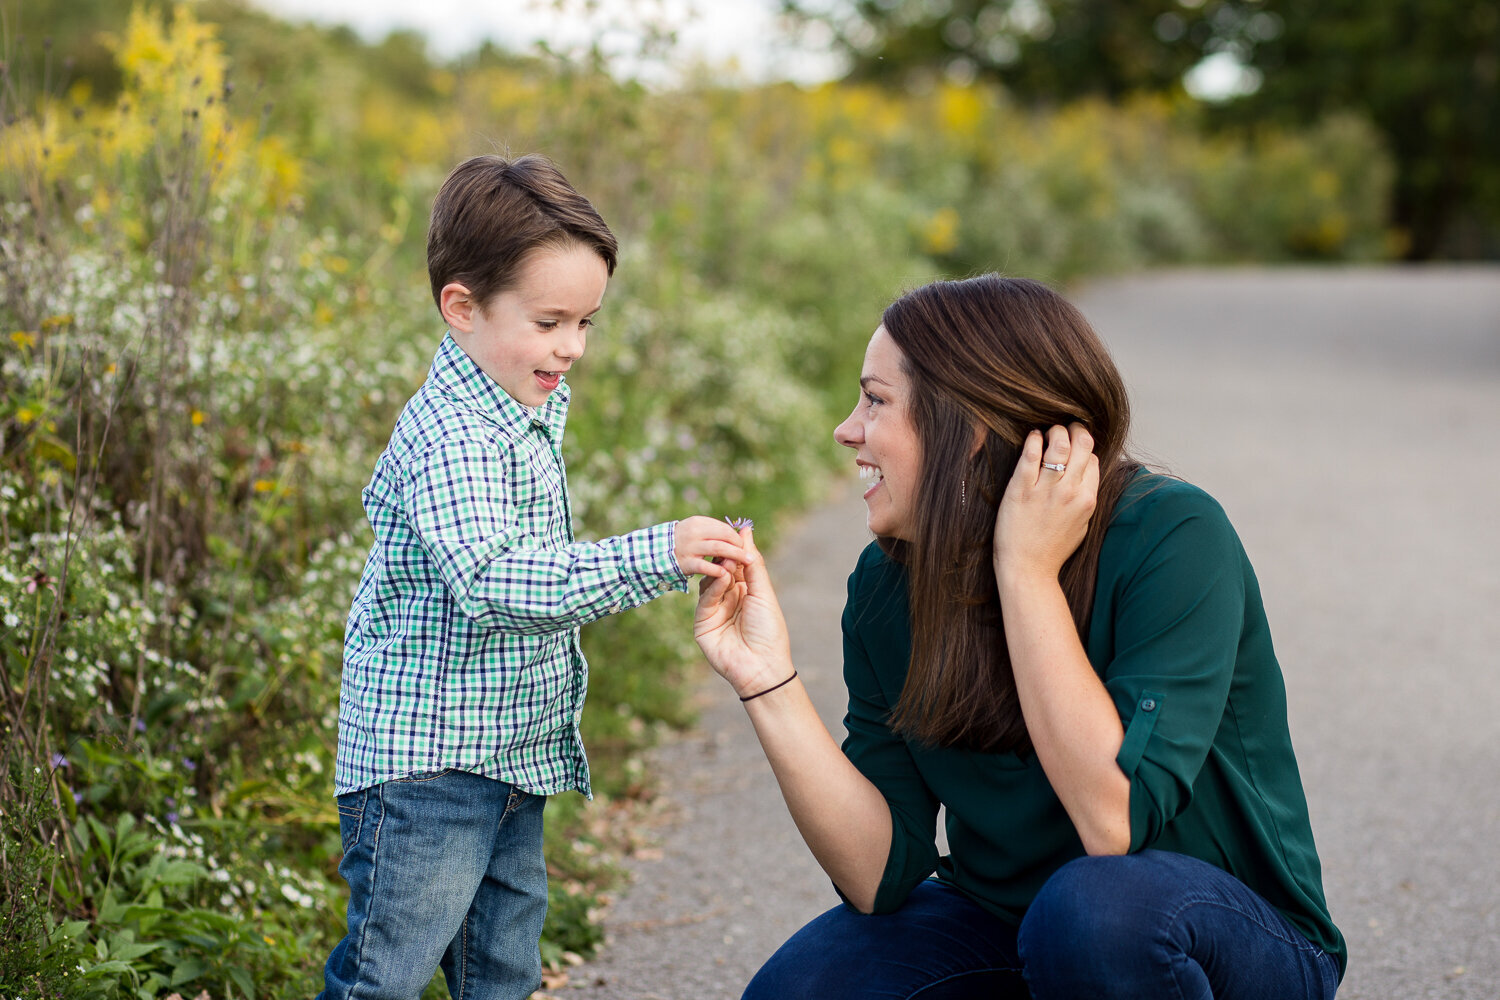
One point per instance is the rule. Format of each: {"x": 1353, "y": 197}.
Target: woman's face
{"x": 884, "y": 440}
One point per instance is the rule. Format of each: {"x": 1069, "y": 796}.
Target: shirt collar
{"x": 456, "y": 374}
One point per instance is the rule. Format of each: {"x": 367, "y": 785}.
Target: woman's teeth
{"x": 870, "y": 472}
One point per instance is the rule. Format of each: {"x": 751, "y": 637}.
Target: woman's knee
{"x": 1093, "y": 908}
{"x": 818, "y": 955}
{"x": 937, "y": 937}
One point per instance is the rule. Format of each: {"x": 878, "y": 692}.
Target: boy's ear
{"x": 458, "y": 307}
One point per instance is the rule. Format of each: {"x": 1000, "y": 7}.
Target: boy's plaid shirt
{"x": 462, "y": 644}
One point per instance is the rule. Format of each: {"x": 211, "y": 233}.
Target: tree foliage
{"x": 1426, "y": 73}
{"x": 1048, "y": 50}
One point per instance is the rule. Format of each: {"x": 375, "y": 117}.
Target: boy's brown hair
{"x": 492, "y": 212}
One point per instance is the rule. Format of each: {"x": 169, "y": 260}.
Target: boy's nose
{"x": 572, "y": 347}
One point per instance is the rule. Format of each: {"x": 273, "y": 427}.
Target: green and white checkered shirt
{"x": 462, "y": 644}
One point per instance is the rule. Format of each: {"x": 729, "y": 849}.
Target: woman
{"x": 1065, "y": 651}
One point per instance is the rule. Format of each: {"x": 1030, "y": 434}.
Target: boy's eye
{"x": 547, "y": 324}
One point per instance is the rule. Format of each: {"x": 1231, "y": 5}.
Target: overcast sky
{"x": 739, "y": 38}
{"x": 719, "y": 32}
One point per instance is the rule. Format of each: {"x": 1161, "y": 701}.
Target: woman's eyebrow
{"x": 866, "y": 380}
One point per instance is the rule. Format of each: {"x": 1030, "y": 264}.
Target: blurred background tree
{"x": 1425, "y": 73}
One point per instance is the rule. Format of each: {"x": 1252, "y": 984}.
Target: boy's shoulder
{"x": 434, "y": 418}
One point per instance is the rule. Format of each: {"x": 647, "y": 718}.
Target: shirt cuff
{"x": 649, "y": 553}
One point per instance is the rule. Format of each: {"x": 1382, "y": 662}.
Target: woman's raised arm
{"x": 1069, "y": 715}
{"x": 842, "y": 816}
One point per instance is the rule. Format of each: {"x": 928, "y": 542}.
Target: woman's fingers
{"x": 1028, "y": 465}
{"x": 752, "y": 569}
{"x": 1048, "y": 458}
{"x": 711, "y": 588}
{"x": 1059, "y": 449}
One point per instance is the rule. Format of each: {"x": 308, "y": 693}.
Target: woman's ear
{"x": 980, "y": 433}
{"x": 457, "y": 305}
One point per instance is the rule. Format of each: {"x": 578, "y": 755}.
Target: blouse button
{"x": 1148, "y": 705}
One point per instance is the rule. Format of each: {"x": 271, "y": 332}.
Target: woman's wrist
{"x": 1016, "y": 577}
{"x": 766, "y": 681}
{"x": 774, "y": 687}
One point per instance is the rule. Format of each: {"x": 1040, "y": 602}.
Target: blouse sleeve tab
{"x": 1147, "y": 709}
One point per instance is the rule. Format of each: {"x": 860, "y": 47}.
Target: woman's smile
{"x": 884, "y": 440}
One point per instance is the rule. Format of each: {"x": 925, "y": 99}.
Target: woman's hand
{"x": 1045, "y": 512}
{"x": 739, "y": 625}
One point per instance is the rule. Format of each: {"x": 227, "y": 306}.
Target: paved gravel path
{"x": 1348, "y": 422}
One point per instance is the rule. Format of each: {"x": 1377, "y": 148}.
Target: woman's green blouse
{"x": 1180, "y": 639}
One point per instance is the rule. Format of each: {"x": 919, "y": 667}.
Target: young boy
{"x": 463, "y": 679}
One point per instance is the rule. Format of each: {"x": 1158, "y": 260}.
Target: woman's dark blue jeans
{"x": 1147, "y": 926}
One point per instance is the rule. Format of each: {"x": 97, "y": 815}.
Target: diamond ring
{"x": 1055, "y": 466}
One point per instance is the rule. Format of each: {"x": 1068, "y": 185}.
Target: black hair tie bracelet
{"x": 773, "y": 687}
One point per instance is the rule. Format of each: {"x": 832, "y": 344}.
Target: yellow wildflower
{"x": 23, "y": 339}
{"x": 198, "y": 417}
{"x": 264, "y": 485}
{"x": 940, "y": 234}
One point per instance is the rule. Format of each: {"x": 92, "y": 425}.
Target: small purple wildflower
{"x": 59, "y": 761}
{"x": 191, "y": 765}
{"x": 739, "y": 523}
{"x": 140, "y": 725}
{"x": 77, "y": 798}
{"x": 171, "y": 802}
{"x": 171, "y": 819}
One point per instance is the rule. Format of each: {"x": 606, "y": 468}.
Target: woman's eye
{"x": 872, "y": 399}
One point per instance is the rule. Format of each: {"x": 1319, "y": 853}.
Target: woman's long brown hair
{"x": 1007, "y": 355}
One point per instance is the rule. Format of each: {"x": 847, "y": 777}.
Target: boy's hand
{"x": 699, "y": 540}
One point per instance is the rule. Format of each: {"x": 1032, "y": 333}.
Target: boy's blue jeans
{"x": 1147, "y": 926}
{"x": 444, "y": 869}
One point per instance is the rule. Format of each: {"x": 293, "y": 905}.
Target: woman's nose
{"x": 848, "y": 432}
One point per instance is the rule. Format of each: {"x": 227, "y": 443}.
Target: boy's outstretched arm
{"x": 502, "y": 574}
